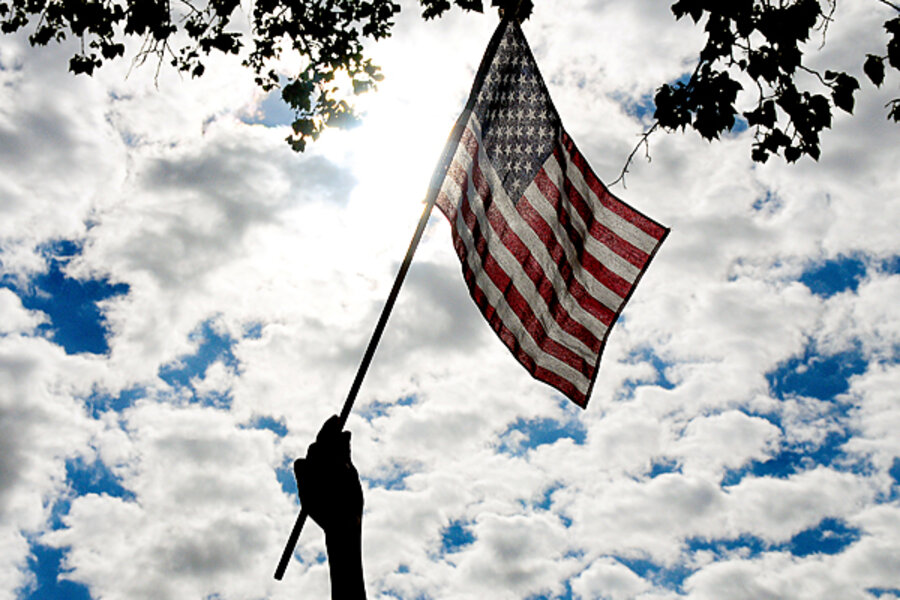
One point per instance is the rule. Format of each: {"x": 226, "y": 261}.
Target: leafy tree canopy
{"x": 766, "y": 41}
{"x": 763, "y": 41}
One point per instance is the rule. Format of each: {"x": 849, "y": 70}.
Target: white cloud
{"x": 777, "y": 509}
{"x": 202, "y": 519}
{"x": 607, "y": 578}
{"x": 726, "y": 441}
{"x": 211, "y": 220}
{"x": 17, "y": 318}
{"x": 876, "y": 416}
{"x": 40, "y": 427}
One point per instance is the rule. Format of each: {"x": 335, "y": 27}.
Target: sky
{"x": 183, "y": 301}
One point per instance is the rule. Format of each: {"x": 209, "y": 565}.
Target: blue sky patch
{"x": 273, "y": 111}
{"x": 890, "y": 265}
{"x": 751, "y": 546}
{"x": 659, "y": 365}
{"x": 455, "y": 536}
{"x": 834, "y": 276}
{"x": 45, "y": 563}
{"x": 396, "y": 594}
{"x": 663, "y": 465}
{"x": 285, "y": 476}
{"x": 86, "y": 478}
{"x": 815, "y": 375}
{"x": 769, "y": 203}
{"x": 98, "y": 403}
{"x": 272, "y": 424}
{"x": 76, "y": 323}
{"x": 394, "y": 478}
{"x": 642, "y": 108}
{"x": 671, "y": 578}
{"x": 566, "y": 595}
{"x": 212, "y": 346}
{"x": 379, "y": 408}
{"x": 894, "y": 472}
{"x": 644, "y": 355}
{"x": 797, "y": 459}
{"x": 94, "y": 478}
{"x": 253, "y": 331}
{"x": 537, "y": 432}
{"x": 740, "y": 126}
{"x": 831, "y": 536}
{"x": 547, "y": 497}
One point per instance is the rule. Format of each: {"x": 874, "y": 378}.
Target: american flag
{"x": 549, "y": 255}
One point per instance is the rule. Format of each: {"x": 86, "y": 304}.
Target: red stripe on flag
{"x": 558, "y": 254}
{"x": 509, "y": 340}
{"x": 506, "y": 335}
{"x": 548, "y": 237}
{"x": 590, "y": 263}
{"x": 514, "y": 298}
{"x": 532, "y": 268}
{"x": 651, "y": 228}
{"x": 601, "y": 232}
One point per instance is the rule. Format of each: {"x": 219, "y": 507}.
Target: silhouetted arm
{"x": 332, "y": 495}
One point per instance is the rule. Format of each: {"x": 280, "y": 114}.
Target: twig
{"x": 891, "y": 4}
{"x": 826, "y": 21}
{"x": 644, "y": 137}
{"x": 817, "y": 74}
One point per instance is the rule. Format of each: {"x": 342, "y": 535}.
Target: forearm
{"x": 345, "y": 563}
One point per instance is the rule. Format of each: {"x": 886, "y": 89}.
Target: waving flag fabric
{"x": 549, "y": 255}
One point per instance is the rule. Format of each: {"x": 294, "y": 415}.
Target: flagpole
{"x": 364, "y": 364}
{"x": 437, "y": 179}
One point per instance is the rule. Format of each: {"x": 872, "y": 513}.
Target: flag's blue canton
{"x": 519, "y": 124}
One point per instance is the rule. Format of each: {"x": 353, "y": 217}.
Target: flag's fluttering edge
{"x": 549, "y": 255}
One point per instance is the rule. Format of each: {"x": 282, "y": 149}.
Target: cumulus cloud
{"x": 740, "y": 441}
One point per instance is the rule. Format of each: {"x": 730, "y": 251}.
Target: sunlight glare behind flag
{"x": 549, "y": 255}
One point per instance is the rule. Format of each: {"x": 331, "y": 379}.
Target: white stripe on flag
{"x": 538, "y": 251}
{"x": 509, "y": 316}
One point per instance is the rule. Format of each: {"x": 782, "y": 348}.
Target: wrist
{"x": 344, "y": 546}
{"x": 349, "y": 530}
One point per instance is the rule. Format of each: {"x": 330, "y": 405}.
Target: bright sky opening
{"x": 183, "y": 301}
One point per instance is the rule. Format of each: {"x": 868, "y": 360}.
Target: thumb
{"x": 299, "y": 469}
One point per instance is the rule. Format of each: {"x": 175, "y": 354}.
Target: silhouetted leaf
{"x": 821, "y": 110}
{"x": 82, "y": 64}
{"x": 791, "y": 154}
{"x": 895, "y": 110}
{"x": 764, "y": 41}
{"x": 874, "y": 69}
{"x": 691, "y": 7}
{"x": 763, "y": 115}
{"x": 893, "y": 47}
{"x": 813, "y": 151}
{"x": 759, "y": 154}
{"x": 842, "y": 92}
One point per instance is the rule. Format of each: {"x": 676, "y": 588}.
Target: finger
{"x": 344, "y": 446}
{"x": 330, "y": 429}
{"x": 314, "y": 451}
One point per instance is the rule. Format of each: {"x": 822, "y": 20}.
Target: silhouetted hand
{"x": 332, "y": 495}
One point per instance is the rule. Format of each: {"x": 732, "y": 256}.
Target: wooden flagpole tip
{"x": 518, "y": 10}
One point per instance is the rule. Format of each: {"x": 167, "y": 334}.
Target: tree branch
{"x": 644, "y": 137}
{"x": 817, "y": 74}
{"x": 891, "y": 4}
{"x": 826, "y": 21}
